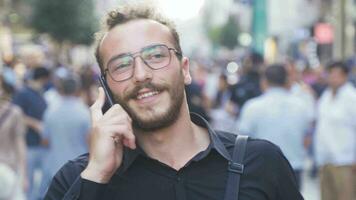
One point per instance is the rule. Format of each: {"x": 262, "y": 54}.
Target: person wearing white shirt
{"x": 336, "y": 136}
{"x": 278, "y": 116}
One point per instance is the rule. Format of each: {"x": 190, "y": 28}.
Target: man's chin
{"x": 148, "y": 121}
{"x": 150, "y": 125}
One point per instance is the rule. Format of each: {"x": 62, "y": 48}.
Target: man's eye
{"x": 121, "y": 67}
{"x": 155, "y": 56}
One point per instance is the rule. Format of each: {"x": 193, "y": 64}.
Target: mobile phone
{"x": 109, "y": 100}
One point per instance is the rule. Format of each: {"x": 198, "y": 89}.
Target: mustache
{"x": 134, "y": 91}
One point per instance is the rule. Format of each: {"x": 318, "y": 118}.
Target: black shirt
{"x": 267, "y": 175}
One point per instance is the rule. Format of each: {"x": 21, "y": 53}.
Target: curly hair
{"x": 130, "y": 12}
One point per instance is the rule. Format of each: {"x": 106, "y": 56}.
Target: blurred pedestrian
{"x": 222, "y": 113}
{"x": 248, "y": 85}
{"x": 66, "y": 127}
{"x": 13, "y": 180}
{"x": 304, "y": 92}
{"x": 196, "y": 98}
{"x": 278, "y": 116}
{"x": 89, "y": 80}
{"x": 8, "y": 72}
{"x": 52, "y": 95}
{"x": 31, "y": 100}
{"x": 336, "y": 135}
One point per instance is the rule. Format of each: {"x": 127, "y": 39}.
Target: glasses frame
{"x": 139, "y": 54}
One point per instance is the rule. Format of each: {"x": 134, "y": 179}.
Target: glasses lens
{"x": 156, "y": 56}
{"x": 121, "y": 68}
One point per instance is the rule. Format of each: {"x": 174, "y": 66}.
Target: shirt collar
{"x": 215, "y": 143}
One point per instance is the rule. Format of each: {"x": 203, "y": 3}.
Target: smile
{"x": 146, "y": 95}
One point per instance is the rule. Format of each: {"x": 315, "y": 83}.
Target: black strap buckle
{"x": 236, "y": 167}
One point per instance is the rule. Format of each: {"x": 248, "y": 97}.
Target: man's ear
{"x": 185, "y": 71}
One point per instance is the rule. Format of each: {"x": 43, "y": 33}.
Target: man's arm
{"x": 68, "y": 185}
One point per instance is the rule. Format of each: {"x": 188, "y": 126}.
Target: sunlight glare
{"x": 181, "y": 10}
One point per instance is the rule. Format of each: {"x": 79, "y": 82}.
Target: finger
{"x": 114, "y": 110}
{"x": 115, "y": 118}
{"x": 98, "y": 104}
{"x": 130, "y": 143}
{"x": 126, "y": 134}
{"x": 118, "y": 130}
{"x": 129, "y": 140}
{"x": 100, "y": 100}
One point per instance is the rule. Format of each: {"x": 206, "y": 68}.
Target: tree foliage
{"x": 65, "y": 20}
{"x": 229, "y": 33}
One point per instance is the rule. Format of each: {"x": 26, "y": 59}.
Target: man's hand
{"x": 110, "y": 133}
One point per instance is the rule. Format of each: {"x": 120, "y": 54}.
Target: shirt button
{"x": 179, "y": 179}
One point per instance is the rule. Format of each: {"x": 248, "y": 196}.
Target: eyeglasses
{"x": 156, "y": 57}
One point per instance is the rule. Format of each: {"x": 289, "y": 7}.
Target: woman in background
{"x": 12, "y": 146}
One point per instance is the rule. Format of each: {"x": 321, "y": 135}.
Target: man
{"x": 278, "y": 116}
{"x": 31, "y": 100}
{"x": 66, "y": 127}
{"x": 336, "y": 136}
{"x": 147, "y": 146}
{"x": 248, "y": 86}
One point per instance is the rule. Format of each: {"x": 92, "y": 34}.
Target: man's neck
{"x": 177, "y": 144}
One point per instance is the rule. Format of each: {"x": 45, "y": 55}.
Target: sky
{"x": 181, "y": 10}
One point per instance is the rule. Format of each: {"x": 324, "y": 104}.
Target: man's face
{"x": 336, "y": 78}
{"x": 153, "y": 98}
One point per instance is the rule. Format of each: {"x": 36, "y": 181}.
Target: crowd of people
{"x": 307, "y": 112}
{"x": 45, "y": 119}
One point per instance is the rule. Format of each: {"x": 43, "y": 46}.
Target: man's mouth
{"x": 147, "y": 94}
{"x": 145, "y": 91}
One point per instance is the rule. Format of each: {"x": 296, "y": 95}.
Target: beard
{"x": 155, "y": 120}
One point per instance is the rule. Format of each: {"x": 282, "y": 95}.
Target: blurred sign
{"x": 323, "y": 33}
{"x": 259, "y": 25}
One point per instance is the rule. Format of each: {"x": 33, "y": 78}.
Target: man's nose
{"x": 142, "y": 72}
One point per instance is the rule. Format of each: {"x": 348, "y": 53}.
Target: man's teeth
{"x": 147, "y": 94}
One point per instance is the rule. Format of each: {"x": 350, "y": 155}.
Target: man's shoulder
{"x": 263, "y": 155}
{"x": 73, "y": 168}
{"x": 255, "y": 147}
{"x": 80, "y": 161}
{"x": 261, "y": 147}
{"x": 256, "y": 103}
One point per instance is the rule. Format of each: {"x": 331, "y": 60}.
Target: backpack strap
{"x": 236, "y": 168}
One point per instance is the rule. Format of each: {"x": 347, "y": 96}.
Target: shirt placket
{"x": 179, "y": 187}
